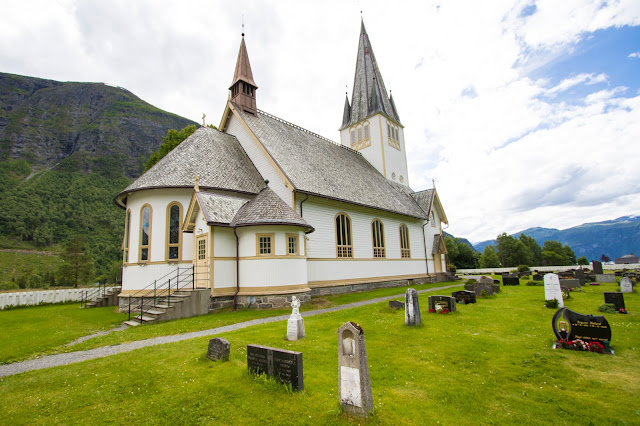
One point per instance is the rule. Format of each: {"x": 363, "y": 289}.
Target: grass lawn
{"x": 32, "y": 330}
{"x": 488, "y": 363}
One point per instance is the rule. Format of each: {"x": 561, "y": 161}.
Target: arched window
{"x": 127, "y": 231}
{"x": 377, "y": 233}
{"x": 174, "y": 236}
{"x": 344, "y": 246}
{"x": 433, "y": 219}
{"x": 145, "y": 233}
{"x": 405, "y": 249}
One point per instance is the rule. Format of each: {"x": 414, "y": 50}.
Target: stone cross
{"x": 354, "y": 383}
{"x": 295, "y": 323}
{"x": 412, "y": 308}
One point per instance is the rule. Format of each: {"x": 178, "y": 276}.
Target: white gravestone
{"x": 295, "y": 323}
{"x": 625, "y": 285}
{"x": 354, "y": 383}
{"x": 552, "y": 289}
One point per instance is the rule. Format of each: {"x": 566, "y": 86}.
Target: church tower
{"x": 243, "y": 89}
{"x": 370, "y": 123}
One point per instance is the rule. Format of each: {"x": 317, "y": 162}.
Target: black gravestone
{"x": 537, "y": 277}
{"x": 446, "y": 302}
{"x": 583, "y": 327}
{"x": 510, "y": 281}
{"x": 580, "y": 277}
{"x": 464, "y": 296}
{"x": 597, "y": 267}
{"x": 614, "y": 297}
{"x": 396, "y": 304}
{"x": 219, "y": 349}
{"x": 284, "y": 365}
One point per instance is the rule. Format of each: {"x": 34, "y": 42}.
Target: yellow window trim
{"x": 126, "y": 242}
{"x": 271, "y": 244}
{"x": 148, "y": 246}
{"x": 344, "y": 247}
{"x": 379, "y": 251}
{"x": 297, "y": 251}
{"x": 168, "y": 245}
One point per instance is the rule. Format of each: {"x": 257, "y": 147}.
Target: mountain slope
{"x": 66, "y": 149}
{"x": 614, "y": 238}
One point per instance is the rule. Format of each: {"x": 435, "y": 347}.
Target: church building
{"x": 261, "y": 209}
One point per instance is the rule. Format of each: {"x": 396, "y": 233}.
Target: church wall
{"x": 395, "y": 160}
{"x": 261, "y": 160}
{"x": 323, "y": 264}
{"x": 135, "y": 274}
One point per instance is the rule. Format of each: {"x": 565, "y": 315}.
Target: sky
{"x": 524, "y": 113}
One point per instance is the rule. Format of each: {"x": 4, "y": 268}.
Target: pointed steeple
{"x": 243, "y": 89}
{"x": 369, "y": 93}
{"x": 346, "y": 115}
{"x": 393, "y": 105}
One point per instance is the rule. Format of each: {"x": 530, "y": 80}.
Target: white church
{"x": 262, "y": 210}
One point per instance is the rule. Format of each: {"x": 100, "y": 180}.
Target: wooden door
{"x": 201, "y": 261}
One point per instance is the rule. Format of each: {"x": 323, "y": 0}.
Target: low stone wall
{"x": 357, "y": 288}
{"x": 611, "y": 267}
{"x": 32, "y": 298}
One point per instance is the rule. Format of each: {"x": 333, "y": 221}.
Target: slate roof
{"x": 369, "y": 93}
{"x": 438, "y": 245}
{"x": 318, "y": 166}
{"x": 216, "y": 158}
{"x": 424, "y": 199}
{"x": 268, "y": 209}
{"x": 220, "y": 208}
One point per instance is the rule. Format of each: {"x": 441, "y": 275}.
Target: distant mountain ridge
{"x": 614, "y": 238}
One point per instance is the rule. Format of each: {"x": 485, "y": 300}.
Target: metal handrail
{"x": 89, "y": 295}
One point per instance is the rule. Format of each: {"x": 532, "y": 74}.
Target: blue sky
{"x": 525, "y": 113}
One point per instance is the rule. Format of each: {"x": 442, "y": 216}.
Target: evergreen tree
{"x": 78, "y": 265}
{"x": 172, "y": 140}
{"x": 489, "y": 258}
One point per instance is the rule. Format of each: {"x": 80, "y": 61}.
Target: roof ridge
{"x": 295, "y": 126}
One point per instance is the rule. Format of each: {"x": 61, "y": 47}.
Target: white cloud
{"x": 634, "y": 55}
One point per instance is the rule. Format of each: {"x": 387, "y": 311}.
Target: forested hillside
{"x": 66, "y": 149}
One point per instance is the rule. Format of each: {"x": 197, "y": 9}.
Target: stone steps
{"x": 165, "y": 308}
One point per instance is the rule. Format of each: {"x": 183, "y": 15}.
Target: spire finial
{"x": 203, "y": 116}
{"x": 434, "y": 182}
{"x": 196, "y": 186}
{"x": 243, "y": 25}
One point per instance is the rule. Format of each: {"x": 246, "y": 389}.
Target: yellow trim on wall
{"x": 168, "y": 245}
{"x": 126, "y": 242}
{"x": 148, "y": 246}
{"x": 161, "y": 262}
{"x": 297, "y": 243}
{"x": 336, "y": 283}
{"x": 362, "y": 259}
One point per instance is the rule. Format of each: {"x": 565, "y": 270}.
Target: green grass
{"x": 32, "y": 330}
{"x": 488, "y": 363}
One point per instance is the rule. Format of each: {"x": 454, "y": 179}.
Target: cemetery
{"x": 382, "y": 362}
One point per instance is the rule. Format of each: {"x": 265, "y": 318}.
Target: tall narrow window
{"x": 353, "y": 136}
{"x": 202, "y": 248}
{"x": 292, "y": 244}
{"x": 145, "y": 233}
{"x": 433, "y": 219}
{"x": 359, "y": 133}
{"x": 343, "y": 236}
{"x": 377, "y": 232}
{"x": 127, "y": 231}
{"x": 405, "y": 249}
{"x": 174, "y": 219}
{"x": 366, "y": 130}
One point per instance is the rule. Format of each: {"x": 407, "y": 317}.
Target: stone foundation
{"x": 358, "y": 288}
{"x": 275, "y": 301}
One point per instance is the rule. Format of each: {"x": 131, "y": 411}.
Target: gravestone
{"x": 570, "y": 283}
{"x": 281, "y": 364}
{"x": 552, "y": 289}
{"x": 597, "y": 267}
{"x": 590, "y": 328}
{"x": 412, "y": 308}
{"x": 445, "y": 302}
{"x": 580, "y": 276}
{"x": 615, "y": 297}
{"x": 295, "y": 323}
{"x": 537, "y": 277}
{"x": 566, "y": 292}
{"x": 625, "y": 285}
{"x": 485, "y": 280}
{"x": 479, "y": 287}
{"x": 606, "y": 278}
{"x": 510, "y": 281}
{"x": 219, "y": 349}
{"x": 354, "y": 384}
{"x": 396, "y": 304}
{"x": 495, "y": 286}
{"x": 464, "y": 296}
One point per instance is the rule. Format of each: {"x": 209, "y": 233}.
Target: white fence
{"x": 612, "y": 267}
{"x": 27, "y": 298}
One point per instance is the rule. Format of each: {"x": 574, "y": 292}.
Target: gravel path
{"x": 73, "y": 357}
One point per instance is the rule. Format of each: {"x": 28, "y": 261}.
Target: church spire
{"x": 369, "y": 93}
{"x": 346, "y": 115}
{"x": 243, "y": 89}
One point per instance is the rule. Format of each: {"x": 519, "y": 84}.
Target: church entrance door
{"x": 201, "y": 262}
{"x": 437, "y": 262}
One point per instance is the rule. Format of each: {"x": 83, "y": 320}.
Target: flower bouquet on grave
{"x": 581, "y": 345}
{"x": 623, "y": 311}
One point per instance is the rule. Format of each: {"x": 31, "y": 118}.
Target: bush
{"x": 452, "y": 268}
{"x": 551, "y": 303}
{"x": 471, "y": 281}
{"x": 608, "y": 308}
{"x": 483, "y": 293}
{"x": 535, "y": 283}
{"x": 523, "y": 268}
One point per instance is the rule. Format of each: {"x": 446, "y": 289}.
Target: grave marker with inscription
{"x": 616, "y": 298}
{"x": 625, "y": 285}
{"x": 580, "y": 276}
{"x": 295, "y": 323}
{"x": 589, "y": 328}
{"x": 464, "y": 296}
{"x": 354, "y": 383}
{"x": 396, "y": 304}
{"x": 606, "y": 278}
{"x": 510, "y": 281}
{"x": 412, "y": 308}
{"x": 445, "y": 302}
{"x": 597, "y": 267}
{"x": 219, "y": 349}
{"x": 281, "y": 364}
{"x": 552, "y": 289}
